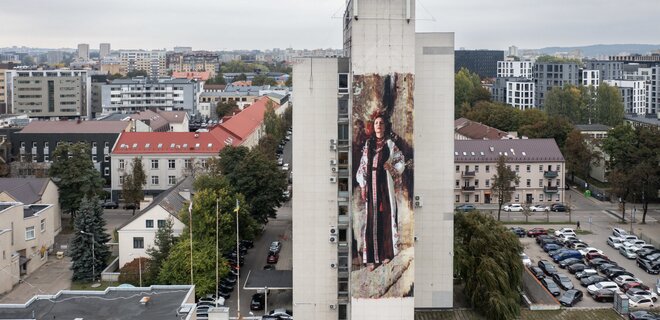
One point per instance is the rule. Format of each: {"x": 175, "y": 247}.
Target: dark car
{"x": 595, "y": 255}
{"x": 257, "y": 302}
{"x": 540, "y": 237}
{"x": 520, "y": 232}
{"x": 466, "y": 207}
{"x": 650, "y": 267}
{"x": 549, "y": 284}
{"x": 632, "y": 285}
{"x": 570, "y": 298}
{"x": 269, "y": 267}
{"x": 650, "y": 257}
{"x": 643, "y": 315}
{"x": 558, "y": 207}
{"x": 226, "y": 287}
{"x": 534, "y": 232}
{"x": 225, "y": 294}
{"x": 551, "y": 240}
{"x": 537, "y": 272}
{"x": 110, "y": 205}
{"x": 556, "y": 252}
{"x": 547, "y": 267}
{"x": 567, "y": 262}
{"x": 563, "y": 281}
{"x": 603, "y": 295}
{"x": 585, "y": 282}
{"x": 272, "y": 257}
{"x": 605, "y": 266}
{"x": 249, "y": 244}
{"x": 229, "y": 281}
{"x": 551, "y": 246}
{"x": 576, "y": 268}
{"x": 614, "y": 274}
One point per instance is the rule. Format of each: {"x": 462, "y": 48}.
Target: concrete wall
{"x": 536, "y": 292}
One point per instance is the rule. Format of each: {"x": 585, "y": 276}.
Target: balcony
{"x": 550, "y": 174}
{"x": 468, "y": 188}
{"x": 549, "y": 189}
{"x": 468, "y": 174}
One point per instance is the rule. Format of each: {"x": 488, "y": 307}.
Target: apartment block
{"x": 609, "y": 70}
{"x": 83, "y": 52}
{"x": 633, "y": 94}
{"x": 653, "y": 102}
{"x": 152, "y": 62}
{"x": 139, "y": 94}
{"x": 548, "y": 75}
{"x": 520, "y": 93}
{"x": 104, "y": 50}
{"x": 590, "y": 78}
{"x": 194, "y": 62}
{"x": 514, "y": 69}
{"x": 482, "y": 62}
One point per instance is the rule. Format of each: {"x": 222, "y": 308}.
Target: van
{"x": 567, "y": 254}
{"x": 614, "y": 242}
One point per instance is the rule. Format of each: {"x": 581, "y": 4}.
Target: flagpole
{"x": 238, "y": 262}
{"x": 191, "y": 241}
{"x": 217, "y": 222}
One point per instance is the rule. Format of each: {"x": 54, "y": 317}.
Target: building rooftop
{"x": 25, "y": 190}
{"x": 170, "y": 200}
{"x": 476, "y": 130}
{"x": 165, "y": 302}
{"x": 175, "y": 142}
{"x": 516, "y": 150}
{"x": 173, "y": 116}
{"x": 199, "y": 75}
{"x": 33, "y": 210}
{"x": 91, "y": 126}
{"x": 154, "y": 120}
{"x": 592, "y": 127}
{"x": 651, "y": 120}
{"x": 248, "y": 120}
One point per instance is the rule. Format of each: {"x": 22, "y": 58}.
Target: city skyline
{"x": 260, "y": 24}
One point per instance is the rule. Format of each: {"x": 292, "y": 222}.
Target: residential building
{"x": 178, "y": 121}
{"x": 514, "y": 69}
{"x": 609, "y": 70}
{"x": 83, "y": 52}
{"x": 481, "y": 62}
{"x": 538, "y": 163}
{"x": 595, "y": 133}
{"x": 104, "y": 50}
{"x": 54, "y": 57}
{"x": 336, "y": 94}
{"x": 37, "y": 191}
{"x": 633, "y": 94}
{"x": 520, "y": 94}
{"x": 138, "y": 234}
{"x": 152, "y": 62}
{"x": 653, "y": 102}
{"x": 548, "y": 75}
{"x": 3, "y": 89}
{"x": 33, "y": 147}
{"x": 197, "y": 61}
{"x": 192, "y": 75}
{"x": 650, "y": 120}
{"x": 26, "y": 237}
{"x": 590, "y": 78}
{"x": 466, "y": 129}
{"x": 645, "y": 59}
{"x": 139, "y": 94}
{"x": 152, "y": 121}
{"x": 513, "y": 51}
{"x": 48, "y": 93}
{"x": 111, "y": 65}
{"x": 248, "y": 125}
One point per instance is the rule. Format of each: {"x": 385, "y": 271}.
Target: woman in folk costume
{"x": 381, "y": 164}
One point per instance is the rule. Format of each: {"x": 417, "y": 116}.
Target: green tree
{"x": 132, "y": 188}
{"x": 556, "y": 128}
{"x": 176, "y": 269}
{"x": 609, "y": 107}
{"x": 74, "y": 174}
{"x": 501, "y": 186}
{"x": 465, "y": 85}
{"x": 225, "y": 108}
{"x": 240, "y": 77}
{"x": 289, "y": 81}
{"x": 288, "y": 116}
{"x": 130, "y": 272}
{"x": 495, "y": 115}
{"x": 579, "y": 155}
{"x": 564, "y": 101}
{"x": 218, "y": 79}
{"x": 88, "y": 227}
{"x": 486, "y": 258}
{"x": 268, "y": 145}
{"x": 137, "y": 73}
{"x": 163, "y": 244}
{"x": 272, "y": 122}
{"x": 531, "y": 116}
{"x": 262, "y": 79}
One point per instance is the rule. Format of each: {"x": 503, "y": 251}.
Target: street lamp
{"x": 139, "y": 267}
{"x": 93, "y": 255}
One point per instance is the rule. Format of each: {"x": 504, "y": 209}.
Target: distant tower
{"x": 104, "y": 50}
{"x": 513, "y": 51}
{"x": 83, "y": 51}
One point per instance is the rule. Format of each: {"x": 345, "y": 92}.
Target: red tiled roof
{"x": 241, "y": 83}
{"x": 90, "y": 126}
{"x": 200, "y": 75}
{"x": 174, "y": 142}
{"x": 248, "y": 120}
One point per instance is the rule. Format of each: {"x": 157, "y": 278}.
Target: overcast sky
{"x": 310, "y": 24}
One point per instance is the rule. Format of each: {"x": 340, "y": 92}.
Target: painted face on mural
{"x": 379, "y": 127}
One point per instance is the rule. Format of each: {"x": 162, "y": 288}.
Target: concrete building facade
{"x": 590, "y": 78}
{"x": 194, "y": 62}
{"x": 83, "y": 51}
{"x": 152, "y": 62}
{"x": 104, "y": 50}
{"x": 548, "y": 75}
{"x": 653, "y": 102}
{"x": 379, "y": 41}
{"x": 514, "y": 69}
{"x": 139, "y": 94}
{"x": 633, "y": 93}
{"x": 481, "y": 62}
{"x": 609, "y": 70}
{"x": 520, "y": 94}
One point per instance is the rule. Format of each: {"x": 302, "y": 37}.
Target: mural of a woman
{"x": 381, "y": 165}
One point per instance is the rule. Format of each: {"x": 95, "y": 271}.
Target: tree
{"x": 130, "y": 272}
{"x": 564, "y": 101}
{"x": 262, "y": 79}
{"x": 465, "y": 84}
{"x": 218, "y": 79}
{"x": 132, "y": 187}
{"x": 225, "y": 108}
{"x": 579, "y": 155}
{"x": 272, "y": 122}
{"x": 486, "y": 258}
{"x": 268, "y": 145}
{"x": 609, "y": 107}
{"x": 137, "y": 73}
{"x": 88, "y": 227}
{"x": 240, "y": 77}
{"x": 74, "y": 174}
{"x": 163, "y": 244}
{"x": 501, "y": 186}
{"x": 557, "y": 127}
{"x": 495, "y": 115}
{"x": 289, "y": 81}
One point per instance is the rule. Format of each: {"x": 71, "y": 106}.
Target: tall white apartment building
{"x": 633, "y": 93}
{"x": 104, "y": 50}
{"x": 653, "y": 105}
{"x": 153, "y": 62}
{"x": 139, "y": 94}
{"x": 515, "y": 69}
{"x": 83, "y": 51}
{"x": 387, "y": 104}
{"x": 520, "y": 93}
{"x": 590, "y": 77}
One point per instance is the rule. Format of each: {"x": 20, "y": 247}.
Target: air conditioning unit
{"x": 333, "y": 162}
{"x": 419, "y": 204}
{"x": 333, "y": 230}
{"x": 418, "y": 198}
{"x": 333, "y": 179}
{"x": 333, "y": 239}
{"x": 333, "y": 265}
{"x": 333, "y": 306}
{"x": 333, "y": 147}
{"x": 333, "y": 141}
{"x": 334, "y": 169}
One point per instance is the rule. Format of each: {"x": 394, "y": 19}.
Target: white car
{"x": 640, "y": 302}
{"x": 609, "y": 285}
{"x": 565, "y": 237}
{"x": 285, "y": 167}
{"x": 628, "y": 252}
{"x": 617, "y": 232}
{"x": 590, "y": 250}
{"x": 643, "y": 246}
{"x": 642, "y": 293}
{"x": 586, "y": 273}
{"x": 525, "y": 260}
{"x": 539, "y": 207}
{"x": 514, "y": 207}
{"x": 620, "y": 280}
{"x": 634, "y": 243}
{"x": 566, "y": 231}
{"x": 614, "y": 242}
{"x": 627, "y": 238}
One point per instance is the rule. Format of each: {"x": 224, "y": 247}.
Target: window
{"x": 476, "y": 198}
{"x": 154, "y": 180}
{"x": 46, "y": 145}
{"x": 517, "y": 197}
{"x": 529, "y": 183}
{"x": 540, "y": 168}
{"x": 43, "y": 225}
{"x": 517, "y": 168}
{"x": 138, "y": 243}
{"x": 487, "y": 168}
{"x": 476, "y": 169}
{"x": 106, "y": 158}
{"x": 161, "y": 223}
{"x": 487, "y": 182}
{"x": 540, "y": 183}
{"x": 458, "y": 198}
{"x": 529, "y": 168}
{"x": 149, "y": 223}
{"x": 558, "y": 182}
{"x": 171, "y": 180}
{"x": 467, "y": 198}
{"x": 343, "y": 83}
{"x": 540, "y": 196}
{"x": 106, "y": 171}
{"x": 476, "y": 183}
{"x": 93, "y": 144}
{"x": 29, "y": 233}
{"x": 121, "y": 180}
{"x": 458, "y": 168}
{"x": 458, "y": 183}
{"x": 187, "y": 163}
{"x": 122, "y": 164}
{"x": 154, "y": 164}
{"x": 558, "y": 167}
{"x": 171, "y": 164}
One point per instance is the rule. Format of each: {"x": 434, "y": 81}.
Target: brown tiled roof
{"x": 91, "y": 126}
{"x": 156, "y": 121}
{"x": 173, "y": 116}
{"x": 476, "y": 130}
{"x": 208, "y": 87}
{"x": 516, "y": 150}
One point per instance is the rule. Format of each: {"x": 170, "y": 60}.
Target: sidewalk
{"x": 53, "y": 276}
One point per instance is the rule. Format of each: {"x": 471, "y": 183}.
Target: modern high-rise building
{"x": 513, "y": 51}
{"x": 517, "y": 69}
{"x": 83, "y": 51}
{"x": 548, "y": 75}
{"x": 372, "y": 151}
{"x": 481, "y": 62}
{"x": 152, "y": 62}
{"x": 633, "y": 93}
{"x": 139, "y": 94}
{"x": 104, "y": 50}
{"x": 609, "y": 70}
{"x": 54, "y": 57}
{"x": 653, "y": 102}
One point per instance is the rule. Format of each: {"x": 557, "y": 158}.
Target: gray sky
{"x": 263, "y": 24}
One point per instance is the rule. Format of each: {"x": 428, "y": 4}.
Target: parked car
{"x": 624, "y": 278}
{"x": 551, "y": 246}
{"x": 590, "y": 250}
{"x": 549, "y": 239}
{"x": 585, "y": 282}
{"x": 276, "y": 246}
{"x": 269, "y": 267}
{"x": 605, "y": 266}
{"x": 552, "y": 287}
{"x": 591, "y": 256}
{"x": 608, "y": 285}
{"x": 257, "y": 302}
{"x": 525, "y": 259}
{"x": 536, "y": 232}
{"x": 570, "y": 298}
{"x": 634, "y": 285}
{"x": 575, "y": 268}
{"x": 282, "y": 313}
{"x": 585, "y": 273}
{"x": 520, "y": 232}
{"x": 628, "y": 237}
{"x": 547, "y": 267}
{"x": 640, "y": 302}
{"x": 466, "y": 207}
{"x": 565, "y": 231}
{"x": 249, "y": 244}
{"x": 285, "y": 167}
{"x": 650, "y": 267}
{"x": 555, "y": 252}
{"x": 543, "y": 236}
{"x": 567, "y": 262}
{"x": 537, "y": 272}
{"x": 110, "y": 205}
{"x": 567, "y": 238}
{"x": 614, "y": 242}
{"x": 131, "y": 206}
{"x": 566, "y": 255}
{"x": 598, "y": 261}
{"x": 563, "y": 281}
{"x": 643, "y": 315}
{"x": 613, "y": 273}
{"x": 273, "y": 257}
{"x": 642, "y": 293}
{"x": 576, "y": 245}
{"x": 539, "y": 207}
{"x": 634, "y": 243}
{"x": 605, "y": 295}
{"x": 628, "y": 252}
{"x": 558, "y": 207}
{"x": 618, "y": 232}
{"x": 513, "y": 207}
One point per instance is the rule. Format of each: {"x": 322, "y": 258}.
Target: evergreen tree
{"x": 132, "y": 190}
{"x": 501, "y": 186}
{"x": 89, "y": 228}
{"x": 160, "y": 251}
